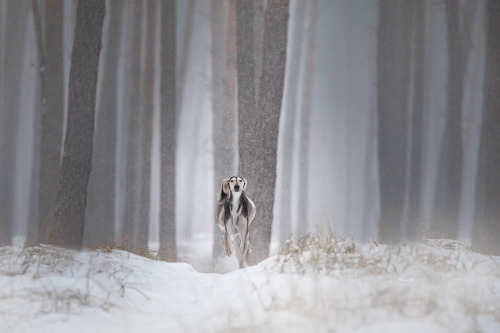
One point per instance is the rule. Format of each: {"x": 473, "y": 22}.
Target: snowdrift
{"x": 318, "y": 285}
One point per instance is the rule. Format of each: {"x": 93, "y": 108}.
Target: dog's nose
{"x": 236, "y": 188}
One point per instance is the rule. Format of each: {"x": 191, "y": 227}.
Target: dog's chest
{"x": 235, "y": 208}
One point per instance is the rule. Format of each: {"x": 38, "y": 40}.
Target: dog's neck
{"x": 235, "y": 197}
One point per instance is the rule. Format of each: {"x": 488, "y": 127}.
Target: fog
{"x": 369, "y": 112}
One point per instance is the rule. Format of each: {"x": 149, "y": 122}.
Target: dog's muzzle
{"x": 236, "y": 188}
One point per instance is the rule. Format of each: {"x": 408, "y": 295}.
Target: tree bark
{"x": 487, "y": 233}
{"x": 224, "y": 74}
{"x": 131, "y": 214}
{"x": 69, "y": 216}
{"x": 50, "y": 64}
{"x": 258, "y": 152}
{"x": 259, "y": 10}
{"x": 449, "y": 187}
{"x": 100, "y": 214}
{"x": 147, "y": 138}
{"x": 246, "y": 82}
{"x": 393, "y": 56}
{"x": 305, "y": 120}
{"x": 12, "y": 58}
{"x": 168, "y": 243}
{"x": 417, "y": 114}
{"x": 284, "y": 220}
{"x": 185, "y": 52}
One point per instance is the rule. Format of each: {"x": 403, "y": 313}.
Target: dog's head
{"x": 233, "y": 184}
{"x": 237, "y": 184}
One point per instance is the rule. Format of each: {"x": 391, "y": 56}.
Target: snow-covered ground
{"x": 319, "y": 285}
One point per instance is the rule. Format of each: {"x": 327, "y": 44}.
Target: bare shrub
{"x": 342, "y": 282}
{"x": 65, "y": 280}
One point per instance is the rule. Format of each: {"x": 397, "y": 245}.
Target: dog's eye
{"x": 232, "y": 180}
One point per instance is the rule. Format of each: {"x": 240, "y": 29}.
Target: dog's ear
{"x": 225, "y": 193}
{"x": 244, "y": 183}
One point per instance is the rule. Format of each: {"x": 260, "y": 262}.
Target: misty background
{"x": 387, "y": 126}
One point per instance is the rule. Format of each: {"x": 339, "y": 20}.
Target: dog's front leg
{"x": 243, "y": 233}
{"x": 227, "y": 247}
{"x": 239, "y": 248}
{"x": 249, "y": 247}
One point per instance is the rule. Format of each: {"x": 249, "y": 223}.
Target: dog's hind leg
{"x": 222, "y": 225}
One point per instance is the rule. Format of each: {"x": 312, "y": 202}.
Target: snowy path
{"x": 373, "y": 289}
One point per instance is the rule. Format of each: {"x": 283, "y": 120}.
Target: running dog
{"x": 237, "y": 214}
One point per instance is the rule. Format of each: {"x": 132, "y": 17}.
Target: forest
{"x": 367, "y": 133}
{"x": 377, "y": 120}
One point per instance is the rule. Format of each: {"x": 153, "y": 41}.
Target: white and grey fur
{"x": 237, "y": 214}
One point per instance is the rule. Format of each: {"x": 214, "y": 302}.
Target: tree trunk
{"x": 131, "y": 214}
{"x": 449, "y": 187}
{"x": 258, "y": 153}
{"x": 393, "y": 56}
{"x": 417, "y": 115}
{"x": 100, "y": 215}
{"x": 147, "y": 138}
{"x": 16, "y": 17}
{"x": 183, "y": 92}
{"x": 305, "y": 120}
{"x": 246, "y": 83}
{"x": 50, "y": 64}
{"x": 259, "y": 9}
{"x": 284, "y": 220}
{"x": 224, "y": 74}
{"x": 185, "y": 52}
{"x": 69, "y": 215}
{"x": 487, "y": 233}
{"x": 168, "y": 243}
{"x": 223, "y": 161}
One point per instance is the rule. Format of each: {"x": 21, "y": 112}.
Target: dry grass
{"x": 63, "y": 279}
{"x": 437, "y": 279}
{"x": 149, "y": 252}
{"x": 330, "y": 254}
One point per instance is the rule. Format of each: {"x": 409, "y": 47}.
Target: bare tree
{"x": 393, "y": 60}
{"x": 133, "y": 165}
{"x": 258, "y": 151}
{"x": 449, "y": 185}
{"x": 415, "y": 123}
{"x": 147, "y": 118}
{"x": 259, "y": 9}
{"x": 168, "y": 243}
{"x": 69, "y": 216}
{"x": 185, "y": 51}
{"x": 11, "y": 62}
{"x": 50, "y": 64}
{"x": 100, "y": 214}
{"x": 305, "y": 119}
{"x": 487, "y": 233}
{"x": 184, "y": 91}
{"x": 222, "y": 161}
{"x": 246, "y": 81}
{"x": 224, "y": 76}
{"x": 289, "y": 119}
